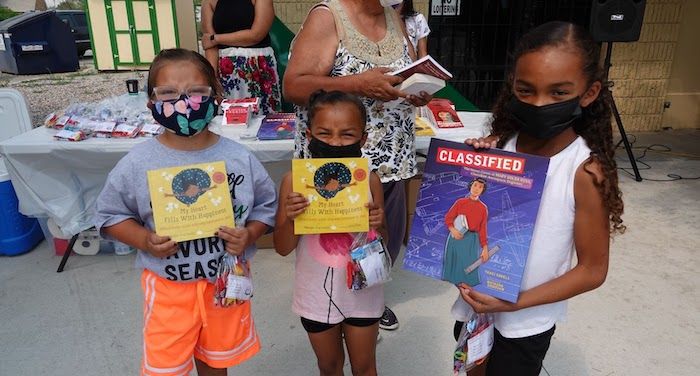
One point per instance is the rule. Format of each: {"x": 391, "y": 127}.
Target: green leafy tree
{"x": 6, "y": 13}
{"x": 70, "y": 5}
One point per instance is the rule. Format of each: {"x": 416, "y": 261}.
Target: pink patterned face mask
{"x": 185, "y": 116}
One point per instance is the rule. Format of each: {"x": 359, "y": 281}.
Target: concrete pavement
{"x": 645, "y": 319}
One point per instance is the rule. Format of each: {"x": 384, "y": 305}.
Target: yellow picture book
{"x": 423, "y": 127}
{"x": 190, "y": 202}
{"x": 337, "y": 190}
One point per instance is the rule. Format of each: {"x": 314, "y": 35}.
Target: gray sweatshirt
{"x": 125, "y": 195}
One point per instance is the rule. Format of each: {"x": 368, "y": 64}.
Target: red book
{"x": 425, "y": 65}
{"x": 237, "y": 115}
{"x": 254, "y": 103}
{"x": 444, "y": 114}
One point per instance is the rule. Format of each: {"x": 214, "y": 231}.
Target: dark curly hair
{"x": 594, "y": 126}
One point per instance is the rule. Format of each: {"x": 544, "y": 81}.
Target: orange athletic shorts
{"x": 181, "y": 321}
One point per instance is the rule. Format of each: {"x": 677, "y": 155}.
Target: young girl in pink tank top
{"x": 331, "y": 312}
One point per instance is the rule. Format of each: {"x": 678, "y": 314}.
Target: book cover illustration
{"x": 190, "y": 202}
{"x": 278, "y": 126}
{"x": 444, "y": 114}
{"x": 236, "y": 116}
{"x": 337, "y": 190}
{"x": 252, "y": 102}
{"x": 474, "y": 217}
{"x": 423, "y": 128}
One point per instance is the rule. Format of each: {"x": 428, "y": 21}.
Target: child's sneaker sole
{"x": 388, "y": 321}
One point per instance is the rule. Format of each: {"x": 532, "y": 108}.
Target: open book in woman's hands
{"x": 424, "y": 74}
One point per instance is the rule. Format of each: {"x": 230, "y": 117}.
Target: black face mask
{"x": 547, "y": 121}
{"x": 320, "y": 149}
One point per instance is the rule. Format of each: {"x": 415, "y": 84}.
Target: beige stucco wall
{"x": 186, "y": 24}
{"x": 642, "y": 70}
{"x": 293, "y": 12}
{"x": 683, "y": 92}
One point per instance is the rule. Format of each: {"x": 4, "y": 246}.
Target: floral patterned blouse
{"x": 390, "y": 145}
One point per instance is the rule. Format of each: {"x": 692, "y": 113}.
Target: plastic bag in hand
{"x": 474, "y": 343}
{"x": 370, "y": 263}
{"x": 233, "y": 284}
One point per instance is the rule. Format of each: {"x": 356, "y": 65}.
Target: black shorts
{"x": 312, "y": 326}
{"x": 516, "y": 356}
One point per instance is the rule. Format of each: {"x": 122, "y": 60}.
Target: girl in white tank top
{"x": 553, "y": 105}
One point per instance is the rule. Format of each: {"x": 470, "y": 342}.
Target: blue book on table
{"x": 279, "y": 126}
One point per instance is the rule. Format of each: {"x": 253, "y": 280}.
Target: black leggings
{"x": 312, "y": 326}
{"x": 515, "y": 356}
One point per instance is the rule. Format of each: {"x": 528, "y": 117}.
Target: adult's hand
{"x": 419, "y": 100}
{"x": 211, "y": 53}
{"x": 207, "y": 42}
{"x": 375, "y": 83}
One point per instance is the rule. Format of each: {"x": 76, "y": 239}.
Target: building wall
{"x": 684, "y": 85}
{"x": 186, "y": 24}
{"x": 641, "y": 70}
{"x": 293, "y": 12}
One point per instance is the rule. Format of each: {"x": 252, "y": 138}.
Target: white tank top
{"x": 552, "y": 247}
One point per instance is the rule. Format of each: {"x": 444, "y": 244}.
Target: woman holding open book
{"x": 350, "y": 45}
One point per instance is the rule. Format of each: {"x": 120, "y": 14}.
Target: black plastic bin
{"x": 36, "y": 43}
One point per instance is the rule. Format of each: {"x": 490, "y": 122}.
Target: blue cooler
{"x": 18, "y": 234}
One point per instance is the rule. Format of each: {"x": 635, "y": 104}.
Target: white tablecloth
{"x": 61, "y": 179}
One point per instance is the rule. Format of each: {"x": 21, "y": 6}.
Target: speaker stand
{"x": 616, "y": 114}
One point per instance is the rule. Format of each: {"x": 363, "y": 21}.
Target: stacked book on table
{"x": 239, "y": 112}
{"x": 438, "y": 114}
{"x": 279, "y": 126}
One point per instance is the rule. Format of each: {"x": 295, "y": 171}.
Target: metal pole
{"x": 616, "y": 114}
